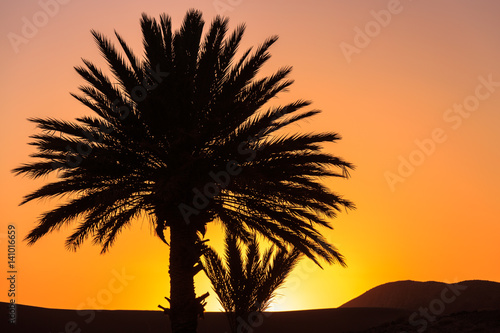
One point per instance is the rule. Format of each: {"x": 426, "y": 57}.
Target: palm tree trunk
{"x": 183, "y": 304}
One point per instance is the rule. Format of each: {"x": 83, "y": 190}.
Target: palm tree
{"x": 183, "y": 137}
{"x": 247, "y": 283}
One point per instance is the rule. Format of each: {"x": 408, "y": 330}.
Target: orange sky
{"x": 382, "y": 92}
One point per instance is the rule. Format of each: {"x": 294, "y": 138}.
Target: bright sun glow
{"x": 420, "y": 201}
{"x": 285, "y": 303}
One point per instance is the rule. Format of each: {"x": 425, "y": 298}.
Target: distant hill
{"x": 439, "y": 297}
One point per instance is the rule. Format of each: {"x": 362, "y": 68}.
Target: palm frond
{"x": 252, "y": 286}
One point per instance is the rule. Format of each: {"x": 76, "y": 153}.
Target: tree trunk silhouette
{"x": 183, "y": 304}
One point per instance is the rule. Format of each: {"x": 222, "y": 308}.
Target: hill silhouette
{"x": 444, "y": 298}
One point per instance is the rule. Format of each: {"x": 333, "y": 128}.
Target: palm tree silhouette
{"x": 247, "y": 282}
{"x": 184, "y": 137}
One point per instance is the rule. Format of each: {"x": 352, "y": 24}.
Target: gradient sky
{"x": 383, "y": 92}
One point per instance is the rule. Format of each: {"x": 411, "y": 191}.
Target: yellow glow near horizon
{"x": 437, "y": 222}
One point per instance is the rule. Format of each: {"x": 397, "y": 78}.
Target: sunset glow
{"x": 413, "y": 88}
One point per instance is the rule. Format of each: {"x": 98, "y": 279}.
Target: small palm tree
{"x": 247, "y": 282}
{"x": 184, "y": 137}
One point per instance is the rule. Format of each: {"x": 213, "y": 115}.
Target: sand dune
{"x": 462, "y": 322}
{"x": 34, "y": 319}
